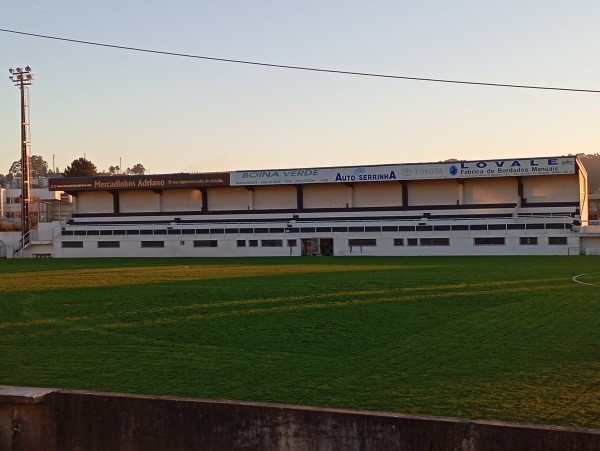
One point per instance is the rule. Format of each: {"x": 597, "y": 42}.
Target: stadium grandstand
{"x": 524, "y": 206}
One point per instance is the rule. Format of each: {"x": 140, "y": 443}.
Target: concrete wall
{"x": 94, "y": 202}
{"x": 433, "y": 192}
{"x": 491, "y": 191}
{"x": 32, "y": 419}
{"x": 551, "y": 188}
{"x": 8, "y": 241}
{"x": 140, "y": 201}
{"x": 170, "y": 246}
{"x": 181, "y": 200}
{"x": 590, "y": 245}
{"x": 326, "y": 196}
{"x": 220, "y": 199}
{"x": 382, "y": 194}
{"x": 481, "y": 191}
{"x": 275, "y": 197}
{"x": 459, "y": 244}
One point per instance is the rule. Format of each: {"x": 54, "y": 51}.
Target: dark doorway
{"x": 327, "y": 247}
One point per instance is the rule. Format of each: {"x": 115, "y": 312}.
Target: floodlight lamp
{"x": 19, "y": 77}
{"x": 29, "y": 76}
{"x": 11, "y": 78}
{"x": 10, "y": 70}
{"x": 27, "y": 69}
{"x": 19, "y": 70}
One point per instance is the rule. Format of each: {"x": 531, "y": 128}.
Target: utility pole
{"x": 23, "y": 78}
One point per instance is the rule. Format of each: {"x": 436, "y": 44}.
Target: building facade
{"x": 491, "y": 207}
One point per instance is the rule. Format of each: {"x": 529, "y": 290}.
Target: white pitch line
{"x": 585, "y": 283}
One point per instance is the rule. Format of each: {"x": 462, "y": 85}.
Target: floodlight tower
{"x": 23, "y": 78}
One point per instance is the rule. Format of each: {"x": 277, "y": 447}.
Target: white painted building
{"x": 492, "y": 207}
{"x": 44, "y": 205}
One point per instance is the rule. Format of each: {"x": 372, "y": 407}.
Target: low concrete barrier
{"x": 35, "y": 419}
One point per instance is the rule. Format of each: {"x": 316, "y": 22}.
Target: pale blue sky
{"x": 175, "y": 114}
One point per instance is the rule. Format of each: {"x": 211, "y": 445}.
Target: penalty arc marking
{"x": 576, "y": 279}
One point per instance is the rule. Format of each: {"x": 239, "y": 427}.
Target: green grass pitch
{"x": 503, "y": 338}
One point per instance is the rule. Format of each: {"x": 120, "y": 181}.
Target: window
{"x": 205, "y": 243}
{"x": 435, "y": 242}
{"x": 253, "y": 243}
{"x": 360, "y": 242}
{"x": 108, "y": 244}
{"x": 72, "y": 244}
{"x": 424, "y": 228}
{"x": 241, "y": 243}
{"x": 292, "y": 243}
{"x": 148, "y": 244}
{"x": 489, "y": 241}
{"x": 528, "y": 240}
{"x": 557, "y": 240}
{"x": 535, "y": 226}
{"x": 413, "y": 242}
{"x": 398, "y": 242}
{"x": 271, "y": 243}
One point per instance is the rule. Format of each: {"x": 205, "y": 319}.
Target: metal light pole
{"x": 23, "y": 78}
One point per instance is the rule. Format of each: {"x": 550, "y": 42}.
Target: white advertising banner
{"x": 398, "y": 172}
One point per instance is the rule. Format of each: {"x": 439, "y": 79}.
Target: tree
{"x": 137, "y": 169}
{"x": 15, "y": 169}
{"x": 38, "y": 168}
{"x": 80, "y": 168}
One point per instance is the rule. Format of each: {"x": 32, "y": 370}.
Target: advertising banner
{"x": 128, "y": 182}
{"x": 349, "y": 174}
{"x": 418, "y": 171}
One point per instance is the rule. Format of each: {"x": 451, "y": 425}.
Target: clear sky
{"x": 175, "y": 114}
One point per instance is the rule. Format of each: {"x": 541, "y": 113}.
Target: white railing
{"x": 150, "y": 229}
